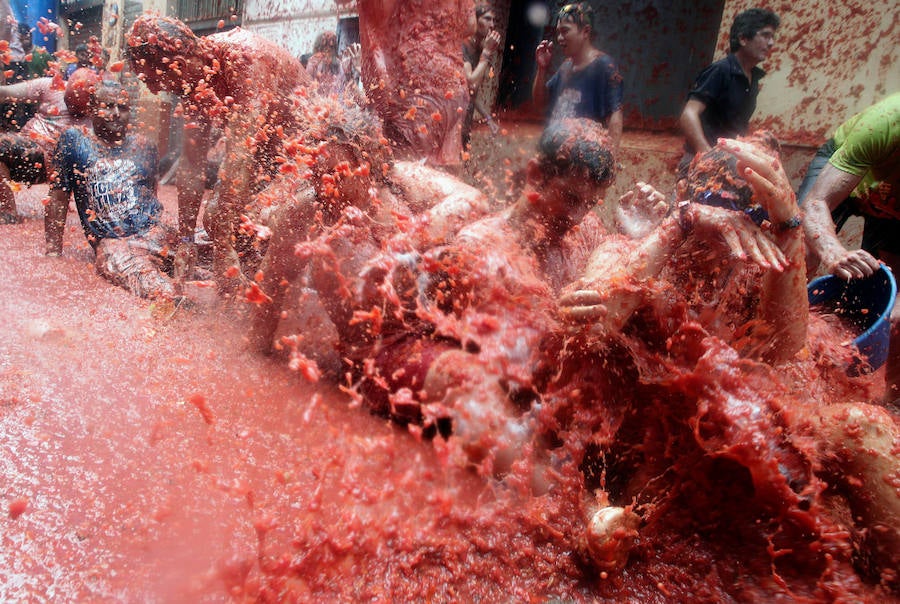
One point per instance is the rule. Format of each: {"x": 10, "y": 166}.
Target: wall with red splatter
{"x": 831, "y": 60}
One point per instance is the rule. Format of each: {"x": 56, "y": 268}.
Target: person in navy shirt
{"x": 112, "y": 175}
{"x": 588, "y": 84}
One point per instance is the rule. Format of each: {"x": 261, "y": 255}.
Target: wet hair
{"x": 748, "y": 23}
{"x": 79, "y": 90}
{"x": 483, "y": 9}
{"x": 165, "y": 34}
{"x": 330, "y": 120}
{"x": 324, "y": 40}
{"x": 81, "y": 47}
{"x": 23, "y": 29}
{"x": 111, "y": 86}
{"x": 580, "y": 13}
{"x": 577, "y": 143}
{"x": 713, "y": 178}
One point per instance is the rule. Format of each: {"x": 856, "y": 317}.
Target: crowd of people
{"x": 529, "y": 335}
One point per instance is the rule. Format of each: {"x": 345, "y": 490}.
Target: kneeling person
{"x": 112, "y": 175}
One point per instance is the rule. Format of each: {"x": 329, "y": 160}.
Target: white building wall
{"x": 294, "y": 24}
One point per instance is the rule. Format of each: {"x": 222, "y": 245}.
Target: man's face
{"x": 83, "y": 57}
{"x": 486, "y": 24}
{"x": 565, "y": 199}
{"x": 570, "y": 37}
{"x": 112, "y": 113}
{"x": 759, "y": 46}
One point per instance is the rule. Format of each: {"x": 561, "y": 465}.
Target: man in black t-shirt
{"x": 723, "y": 96}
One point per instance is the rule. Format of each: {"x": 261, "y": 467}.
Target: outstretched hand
{"x": 640, "y": 210}
{"x": 351, "y": 58}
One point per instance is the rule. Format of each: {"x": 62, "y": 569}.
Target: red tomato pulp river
{"x": 145, "y": 455}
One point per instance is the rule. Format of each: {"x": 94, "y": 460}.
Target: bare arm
{"x": 55, "y": 221}
{"x": 475, "y": 74}
{"x": 543, "y": 54}
{"x": 831, "y": 188}
{"x": 691, "y": 127}
{"x": 610, "y": 290}
{"x": 615, "y": 129}
{"x": 18, "y": 92}
{"x": 784, "y": 303}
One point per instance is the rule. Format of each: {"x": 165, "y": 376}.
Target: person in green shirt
{"x": 857, "y": 173}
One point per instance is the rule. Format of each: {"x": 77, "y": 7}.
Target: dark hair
{"x": 105, "y": 86}
{"x": 713, "y": 178}
{"x": 483, "y": 9}
{"x": 23, "y": 29}
{"x": 580, "y": 13}
{"x": 81, "y": 47}
{"x": 577, "y": 143}
{"x": 324, "y": 40}
{"x": 748, "y": 23}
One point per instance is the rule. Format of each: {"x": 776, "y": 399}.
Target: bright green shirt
{"x": 868, "y": 145}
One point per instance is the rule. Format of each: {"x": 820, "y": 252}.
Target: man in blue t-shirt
{"x": 588, "y": 84}
{"x": 723, "y": 97}
{"x": 112, "y": 175}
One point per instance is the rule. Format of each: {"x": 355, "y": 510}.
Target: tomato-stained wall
{"x": 831, "y": 60}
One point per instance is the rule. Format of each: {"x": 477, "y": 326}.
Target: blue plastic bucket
{"x": 866, "y": 305}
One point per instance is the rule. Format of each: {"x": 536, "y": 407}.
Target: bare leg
{"x": 190, "y": 196}
{"x": 484, "y": 420}
{"x": 860, "y": 443}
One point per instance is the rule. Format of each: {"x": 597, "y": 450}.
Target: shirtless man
{"x": 239, "y": 80}
{"x": 360, "y": 199}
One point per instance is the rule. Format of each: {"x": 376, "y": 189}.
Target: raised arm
{"x": 784, "y": 304}
{"x": 475, "y": 73}
{"x": 542, "y": 56}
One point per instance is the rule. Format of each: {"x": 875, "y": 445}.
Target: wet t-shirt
{"x": 114, "y": 186}
{"x": 594, "y": 92}
{"x": 868, "y": 145}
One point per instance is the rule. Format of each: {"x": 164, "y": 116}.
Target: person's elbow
{"x": 688, "y": 119}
